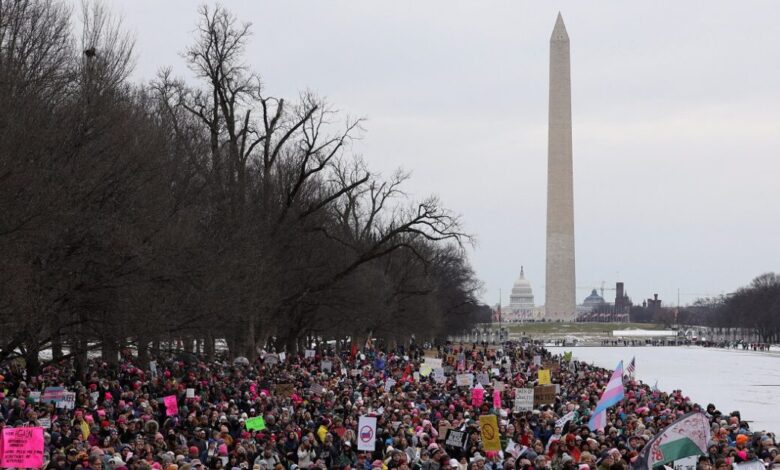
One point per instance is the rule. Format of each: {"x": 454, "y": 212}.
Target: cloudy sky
{"x": 676, "y": 111}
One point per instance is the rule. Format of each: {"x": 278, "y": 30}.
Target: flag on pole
{"x": 612, "y": 395}
{"x": 631, "y": 366}
{"x": 685, "y": 437}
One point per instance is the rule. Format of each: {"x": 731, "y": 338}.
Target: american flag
{"x": 631, "y": 366}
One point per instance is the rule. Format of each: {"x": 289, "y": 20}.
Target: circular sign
{"x": 366, "y": 434}
{"x": 488, "y": 431}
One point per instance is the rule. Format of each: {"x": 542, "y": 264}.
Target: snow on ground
{"x": 731, "y": 379}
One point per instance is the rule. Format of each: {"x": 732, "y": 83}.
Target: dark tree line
{"x": 135, "y": 215}
{"x": 754, "y": 307}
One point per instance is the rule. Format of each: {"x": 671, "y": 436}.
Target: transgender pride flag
{"x": 611, "y": 396}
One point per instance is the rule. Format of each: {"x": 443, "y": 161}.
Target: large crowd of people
{"x": 310, "y": 405}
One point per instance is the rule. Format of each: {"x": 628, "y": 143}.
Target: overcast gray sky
{"x": 676, "y": 112}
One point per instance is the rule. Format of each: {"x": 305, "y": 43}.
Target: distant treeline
{"x": 754, "y": 307}
{"x": 135, "y": 213}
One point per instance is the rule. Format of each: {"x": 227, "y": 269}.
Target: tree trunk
{"x": 143, "y": 351}
{"x": 209, "y": 346}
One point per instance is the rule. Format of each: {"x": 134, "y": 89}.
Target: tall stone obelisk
{"x": 560, "y": 303}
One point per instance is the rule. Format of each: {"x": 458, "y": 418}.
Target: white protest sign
{"x": 564, "y": 419}
{"x": 34, "y": 397}
{"x": 416, "y": 376}
{"x": 483, "y": 379}
{"x": 367, "y": 433}
{"x": 689, "y": 463}
{"x": 326, "y": 366}
{"x": 94, "y": 396}
{"x": 389, "y": 383}
{"x": 524, "y": 399}
{"x": 282, "y": 356}
{"x": 464, "y": 380}
{"x": 45, "y": 422}
{"x": 537, "y": 360}
{"x": 309, "y": 353}
{"x": 153, "y": 368}
{"x": 190, "y": 393}
{"x": 68, "y": 401}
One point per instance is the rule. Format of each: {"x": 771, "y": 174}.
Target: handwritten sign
{"x": 544, "y": 395}
{"x": 68, "y": 401}
{"x": 190, "y": 393}
{"x": 255, "y": 424}
{"x": 544, "y": 377}
{"x": 22, "y": 448}
{"x": 284, "y": 390}
{"x": 464, "y": 380}
{"x": 309, "y": 353}
{"x": 524, "y": 400}
{"x": 171, "y": 406}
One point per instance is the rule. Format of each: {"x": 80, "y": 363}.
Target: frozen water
{"x": 733, "y": 380}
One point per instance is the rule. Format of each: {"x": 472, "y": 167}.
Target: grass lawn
{"x": 533, "y": 329}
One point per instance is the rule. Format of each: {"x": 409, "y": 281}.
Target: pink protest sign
{"x": 171, "y": 407}
{"x": 477, "y": 396}
{"x": 496, "y": 399}
{"x": 22, "y": 448}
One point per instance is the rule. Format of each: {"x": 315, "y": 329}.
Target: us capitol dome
{"x": 521, "y": 300}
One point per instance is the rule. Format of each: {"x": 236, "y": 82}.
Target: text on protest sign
{"x": 544, "y": 395}
{"x": 171, "y": 405}
{"x": 524, "y": 399}
{"x": 456, "y": 439}
{"x": 464, "y": 380}
{"x": 22, "y": 448}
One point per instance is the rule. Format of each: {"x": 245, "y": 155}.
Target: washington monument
{"x": 560, "y": 303}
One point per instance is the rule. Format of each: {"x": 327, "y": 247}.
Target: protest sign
{"x": 524, "y": 399}
{"x": 317, "y": 389}
{"x": 477, "y": 395}
{"x": 496, "y": 399}
{"x": 153, "y": 368}
{"x": 326, "y": 366}
{"x": 464, "y": 380}
{"x": 190, "y": 393}
{"x": 483, "y": 378}
{"x": 456, "y": 439}
{"x": 52, "y": 394}
{"x": 309, "y": 353}
{"x": 284, "y": 390}
{"x": 537, "y": 360}
{"x": 560, "y": 423}
{"x": 171, "y": 405}
{"x": 282, "y": 356}
{"x": 255, "y": 424}
{"x": 498, "y": 385}
{"x": 22, "y": 448}
{"x": 34, "y": 397}
{"x": 45, "y": 422}
{"x": 94, "y": 397}
{"x": 389, "y": 384}
{"x": 271, "y": 359}
{"x": 544, "y": 377}
{"x": 544, "y": 395}
{"x": 68, "y": 401}
{"x": 443, "y": 429}
{"x": 367, "y": 433}
{"x": 488, "y": 427}
{"x": 689, "y": 463}
{"x": 416, "y": 376}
